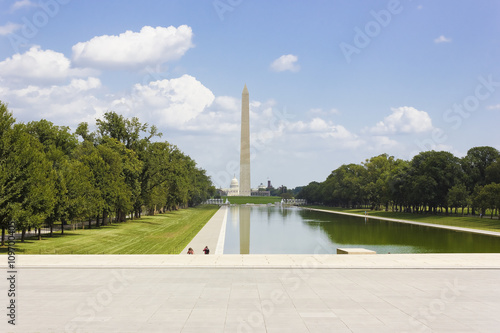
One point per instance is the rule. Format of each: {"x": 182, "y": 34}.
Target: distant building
{"x": 261, "y": 191}
{"x": 234, "y": 190}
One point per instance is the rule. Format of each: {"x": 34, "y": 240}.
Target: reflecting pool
{"x": 292, "y": 230}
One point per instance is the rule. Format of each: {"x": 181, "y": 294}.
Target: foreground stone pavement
{"x": 257, "y": 293}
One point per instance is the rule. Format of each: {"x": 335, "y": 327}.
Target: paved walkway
{"x": 211, "y": 235}
{"x": 476, "y": 231}
{"x": 275, "y": 293}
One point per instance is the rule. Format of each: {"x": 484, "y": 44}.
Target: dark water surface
{"x": 292, "y": 230}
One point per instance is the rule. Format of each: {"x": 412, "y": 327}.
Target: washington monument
{"x": 245, "y": 145}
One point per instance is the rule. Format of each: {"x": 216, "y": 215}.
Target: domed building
{"x": 234, "y": 188}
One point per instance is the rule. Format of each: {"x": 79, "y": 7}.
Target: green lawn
{"x": 451, "y": 220}
{"x": 161, "y": 234}
{"x": 254, "y": 200}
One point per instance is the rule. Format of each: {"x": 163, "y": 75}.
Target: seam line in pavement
{"x": 254, "y": 267}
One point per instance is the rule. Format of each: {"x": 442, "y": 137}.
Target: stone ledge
{"x": 354, "y": 250}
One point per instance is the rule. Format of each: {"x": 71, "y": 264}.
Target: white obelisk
{"x": 245, "y": 145}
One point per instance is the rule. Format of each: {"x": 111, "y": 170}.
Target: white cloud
{"x": 493, "y": 107}
{"x": 318, "y": 127}
{"x": 170, "y": 103}
{"x": 442, "y": 39}
{"x": 286, "y": 63}
{"x": 40, "y": 65}
{"x": 403, "y": 120}
{"x": 228, "y": 103}
{"x": 21, "y": 4}
{"x": 382, "y": 142}
{"x": 9, "y": 28}
{"x": 67, "y": 104}
{"x": 130, "y": 49}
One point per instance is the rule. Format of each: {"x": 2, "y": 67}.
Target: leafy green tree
{"x": 8, "y": 188}
{"x": 90, "y": 157}
{"x": 31, "y": 178}
{"x": 201, "y": 187}
{"x": 487, "y": 197}
{"x": 445, "y": 171}
{"x": 493, "y": 172}
{"x": 475, "y": 163}
{"x": 378, "y": 172}
{"x": 58, "y": 144}
{"x": 126, "y": 131}
{"x": 178, "y": 180}
{"x": 154, "y": 187}
{"x": 82, "y": 196}
{"x": 311, "y": 193}
{"x": 458, "y": 196}
{"x": 27, "y": 193}
{"x": 116, "y": 195}
{"x": 398, "y": 183}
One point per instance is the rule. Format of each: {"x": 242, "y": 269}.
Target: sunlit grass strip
{"x": 161, "y": 234}
{"x": 484, "y": 223}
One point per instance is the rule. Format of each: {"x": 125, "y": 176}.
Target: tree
{"x": 487, "y": 197}
{"x": 493, "y": 172}
{"x": 311, "y": 193}
{"x": 378, "y": 171}
{"x": 82, "y": 196}
{"x": 7, "y": 180}
{"x": 458, "y": 196}
{"x": 27, "y": 193}
{"x": 126, "y": 131}
{"x": 475, "y": 164}
{"x": 89, "y": 156}
{"x": 58, "y": 144}
{"x": 445, "y": 171}
{"x": 399, "y": 184}
{"x": 153, "y": 178}
{"x": 117, "y": 196}
{"x": 30, "y": 181}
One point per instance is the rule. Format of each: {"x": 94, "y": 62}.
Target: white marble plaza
{"x": 257, "y": 293}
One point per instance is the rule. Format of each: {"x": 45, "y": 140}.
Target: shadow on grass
{"x": 34, "y": 240}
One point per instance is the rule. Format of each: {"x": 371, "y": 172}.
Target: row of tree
{"x": 50, "y": 175}
{"x": 431, "y": 181}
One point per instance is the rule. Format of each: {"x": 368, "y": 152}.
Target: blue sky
{"x": 330, "y": 82}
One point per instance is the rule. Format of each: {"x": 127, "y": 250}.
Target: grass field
{"x": 450, "y": 220}
{"x": 161, "y": 234}
{"x": 254, "y": 200}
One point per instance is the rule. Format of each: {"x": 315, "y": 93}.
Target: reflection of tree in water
{"x": 343, "y": 229}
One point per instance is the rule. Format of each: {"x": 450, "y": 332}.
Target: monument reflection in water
{"x": 291, "y": 230}
{"x": 244, "y": 224}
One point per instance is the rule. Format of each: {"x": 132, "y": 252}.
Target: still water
{"x": 292, "y": 230}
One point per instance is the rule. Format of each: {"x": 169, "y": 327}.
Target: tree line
{"x": 49, "y": 174}
{"x": 433, "y": 181}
